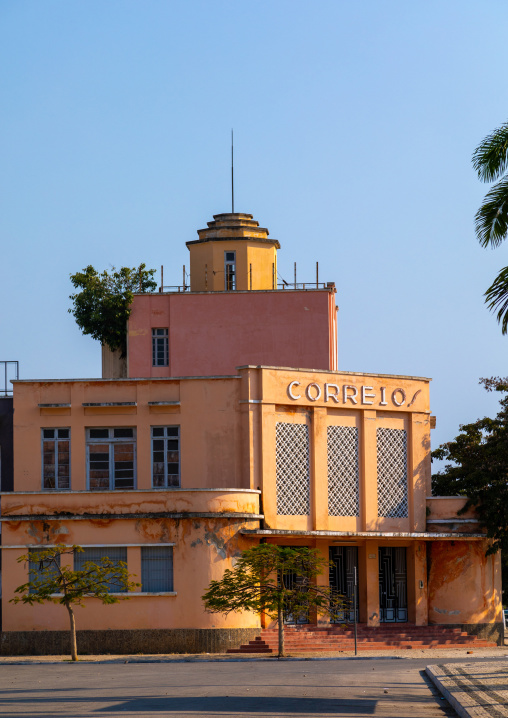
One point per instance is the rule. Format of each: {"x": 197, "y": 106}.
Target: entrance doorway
{"x": 343, "y": 561}
{"x": 392, "y": 585}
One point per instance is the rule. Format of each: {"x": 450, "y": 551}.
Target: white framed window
{"x": 96, "y": 554}
{"x": 229, "y": 271}
{"x": 165, "y": 456}
{"x": 156, "y": 569}
{"x": 111, "y": 458}
{"x": 160, "y": 347}
{"x": 56, "y": 455}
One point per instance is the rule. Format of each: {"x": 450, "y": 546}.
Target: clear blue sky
{"x": 354, "y": 127}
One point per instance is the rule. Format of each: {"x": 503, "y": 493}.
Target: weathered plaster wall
{"x": 464, "y": 584}
{"x": 203, "y": 549}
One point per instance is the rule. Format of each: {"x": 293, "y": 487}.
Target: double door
{"x": 392, "y": 584}
{"x": 343, "y": 565}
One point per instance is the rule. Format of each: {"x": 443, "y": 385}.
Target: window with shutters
{"x": 156, "y": 569}
{"x": 165, "y": 456}
{"x": 111, "y": 458}
{"x": 56, "y": 451}
{"x": 96, "y": 553}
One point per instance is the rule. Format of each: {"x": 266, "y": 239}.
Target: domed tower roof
{"x": 233, "y": 253}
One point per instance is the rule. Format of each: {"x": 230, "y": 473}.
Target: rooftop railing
{"x": 9, "y": 371}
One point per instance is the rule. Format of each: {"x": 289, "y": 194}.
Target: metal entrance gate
{"x": 392, "y": 585}
{"x": 344, "y": 560}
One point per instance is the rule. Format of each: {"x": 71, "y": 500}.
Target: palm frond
{"x": 496, "y": 298}
{"x": 491, "y": 220}
{"x": 490, "y": 158}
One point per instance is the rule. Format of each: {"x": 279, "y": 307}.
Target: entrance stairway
{"x": 312, "y": 638}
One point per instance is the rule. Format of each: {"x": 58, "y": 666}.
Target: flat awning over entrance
{"x": 423, "y": 536}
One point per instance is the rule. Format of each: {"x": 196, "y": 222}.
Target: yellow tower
{"x": 233, "y": 253}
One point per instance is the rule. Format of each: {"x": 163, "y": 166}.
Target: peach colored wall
{"x": 203, "y": 549}
{"x": 464, "y": 584}
{"x": 212, "y": 334}
{"x": 207, "y": 265}
{"x": 376, "y": 406}
{"x": 207, "y": 411}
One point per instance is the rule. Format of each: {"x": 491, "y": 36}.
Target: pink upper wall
{"x": 211, "y": 334}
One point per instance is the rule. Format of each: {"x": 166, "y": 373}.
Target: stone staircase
{"x": 312, "y": 638}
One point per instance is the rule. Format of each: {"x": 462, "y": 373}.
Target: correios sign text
{"x": 349, "y": 393}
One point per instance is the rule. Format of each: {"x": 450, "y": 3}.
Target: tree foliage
{"x": 479, "y": 468}
{"x": 276, "y": 580}
{"x": 60, "y": 584}
{"x": 490, "y": 160}
{"x": 102, "y": 306}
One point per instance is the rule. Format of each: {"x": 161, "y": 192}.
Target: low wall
{"x": 485, "y": 631}
{"x": 181, "y": 640}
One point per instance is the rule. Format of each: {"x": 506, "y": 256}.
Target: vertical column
{"x": 267, "y": 461}
{"x": 142, "y": 421}
{"x": 368, "y": 471}
{"x": 319, "y": 471}
{"x": 371, "y": 590}
{"x": 417, "y": 594}
{"x": 78, "y": 438}
{"x": 323, "y": 579}
{"x": 419, "y": 469}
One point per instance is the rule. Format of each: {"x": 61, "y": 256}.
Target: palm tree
{"x": 490, "y": 160}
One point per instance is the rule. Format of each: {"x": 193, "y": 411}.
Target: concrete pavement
{"x": 475, "y": 690}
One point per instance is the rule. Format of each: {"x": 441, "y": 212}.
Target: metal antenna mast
{"x": 232, "y": 178}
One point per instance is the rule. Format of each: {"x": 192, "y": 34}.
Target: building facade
{"x": 203, "y": 443}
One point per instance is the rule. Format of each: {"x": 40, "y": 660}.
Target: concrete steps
{"x": 315, "y": 639}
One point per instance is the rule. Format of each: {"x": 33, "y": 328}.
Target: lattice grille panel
{"x": 342, "y": 443}
{"x": 292, "y": 469}
{"x": 391, "y": 473}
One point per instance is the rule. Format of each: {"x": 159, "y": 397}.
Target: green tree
{"x": 479, "y": 468}
{"x": 103, "y": 305}
{"x": 490, "y": 160}
{"x": 276, "y": 580}
{"x": 60, "y": 584}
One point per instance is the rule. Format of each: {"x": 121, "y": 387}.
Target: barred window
{"x": 392, "y": 473}
{"x": 96, "y": 554}
{"x": 36, "y": 566}
{"x": 343, "y": 479}
{"x": 111, "y": 455}
{"x": 160, "y": 347}
{"x": 156, "y": 569}
{"x": 165, "y": 456}
{"x": 292, "y": 469}
{"x": 56, "y": 449}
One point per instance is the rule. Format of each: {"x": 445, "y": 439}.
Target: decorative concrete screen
{"x": 391, "y": 473}
{"x": 342, "y": 449}
{"x": 292, "y": 469}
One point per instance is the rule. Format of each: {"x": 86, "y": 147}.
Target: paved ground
{"x": 240, "y": 689}
{"x": 476, "y": 690}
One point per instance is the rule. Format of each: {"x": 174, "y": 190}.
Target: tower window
{"x": 229, "y": 271}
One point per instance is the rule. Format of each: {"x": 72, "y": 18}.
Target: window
{"x": 292, "y": 469}
{"x": 165, "y": 456}
{"x": 56, "y": 458}
{"x": 343, "y": 474}
{"x": 111, "y": 457}
{"x": 392, "y": 473}
{"x": 160, "y": 347}
{"x": 156, "y": 569}
{"x": 229, "y": 271}
{"x": 96, "y": 554}
{"x": 36, "y": 566}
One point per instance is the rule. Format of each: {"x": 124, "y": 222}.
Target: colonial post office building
{"x": 229, "y": 423}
